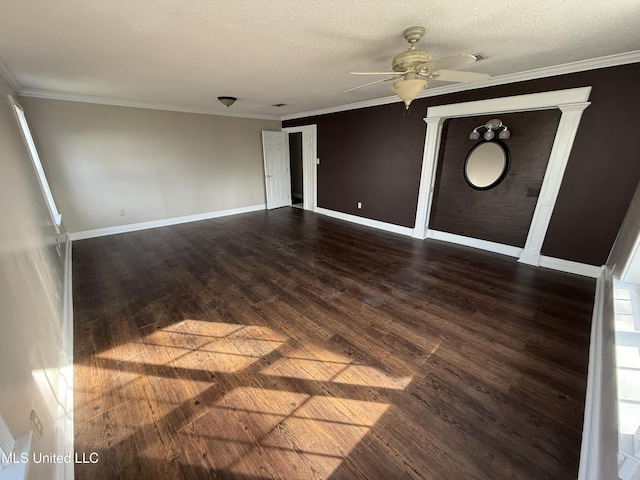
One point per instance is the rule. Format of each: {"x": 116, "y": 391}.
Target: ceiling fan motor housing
{"x": 411, "y": 60}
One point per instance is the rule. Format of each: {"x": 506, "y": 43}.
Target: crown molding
{"x": 119, "y": 102}
{"x": 573, "y": 67}
{"x": 7, "y": 75}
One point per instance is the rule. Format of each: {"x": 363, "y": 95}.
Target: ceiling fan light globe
{"x": 407, "y": 90}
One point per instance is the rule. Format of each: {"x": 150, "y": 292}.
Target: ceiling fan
{"x": 416, "y": 68}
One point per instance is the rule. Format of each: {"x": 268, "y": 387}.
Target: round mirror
{"x": 486, "y": 165}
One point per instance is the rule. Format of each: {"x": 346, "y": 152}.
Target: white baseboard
{"x": 501, "y": 248}
{"x": 537, "y": 260}
{"x": 133, "y": 227}
{"x": 367, "y": 222}
{"x": 64, "y": 421}
{"x": 569, "y": 266}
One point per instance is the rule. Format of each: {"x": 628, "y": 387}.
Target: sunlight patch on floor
{"x": 252, "y": 430}
{"x": 181, "y": 371}
{"x": 371, "y": 377}
{"x": 307, "y": 364}
{"x": 218, "y": 347}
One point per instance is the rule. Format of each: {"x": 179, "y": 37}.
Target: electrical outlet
{"x": 359, "y": 205}
{"x": 36, "y": 424}
{"x": 121, "y": 213}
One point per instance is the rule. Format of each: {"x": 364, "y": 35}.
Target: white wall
{"x": 627, "y": 237}
{"x": 152, "y": 164}
{"x": 598, "y": 456}
{"x": 31, "y": 293}
{"x": 600, "y": 436}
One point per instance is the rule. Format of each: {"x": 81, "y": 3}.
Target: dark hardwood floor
{"x": 285, "y": 344}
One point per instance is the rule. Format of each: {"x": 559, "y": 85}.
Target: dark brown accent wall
{"x": 375, "y": 158}
{"x": 502, "y": 214}
{"x": 374, "y": 155}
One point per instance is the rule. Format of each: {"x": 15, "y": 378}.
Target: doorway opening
{"x": 281, "y": 188}
{"x": 308, "y": 153}
{"x": 296, "y": 169}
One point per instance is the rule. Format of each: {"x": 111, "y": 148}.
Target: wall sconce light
{"x": 491, "y": 126}
{"x": 228, "y": 101}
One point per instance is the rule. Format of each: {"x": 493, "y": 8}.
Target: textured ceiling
{"x": 185, "y": 53}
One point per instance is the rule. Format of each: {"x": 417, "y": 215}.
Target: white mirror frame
{"x": 571, "y": 102}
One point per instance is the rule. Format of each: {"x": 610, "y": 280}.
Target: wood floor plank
{"x": 288, "y": 345}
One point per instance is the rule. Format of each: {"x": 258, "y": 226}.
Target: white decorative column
{"x": 428, "y": 174}
{"x": 560, "y": 151}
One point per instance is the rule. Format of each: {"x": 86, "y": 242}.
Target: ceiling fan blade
{"x": 456, "y": 76}
{"x": 373, "y": 83}
{"x": 449, "y": 62}
{"x": 377, "y": 73}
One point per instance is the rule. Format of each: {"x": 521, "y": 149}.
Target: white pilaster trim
{"x": 530, "y": 258}
{"x": 428, "y": 174}
{"x": 367, "y": 222}
{"x": 494, "y": 247}
{"x": 165, "y": 222}
{"x": 560, "y": 151}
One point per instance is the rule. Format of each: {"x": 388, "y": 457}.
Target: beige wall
{"x": 31, "y": 293}
{"x": 152, "y": 164}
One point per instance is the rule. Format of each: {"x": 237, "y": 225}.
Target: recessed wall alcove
{"x": 571, "y": 104}
{"x": 503, "y": 213}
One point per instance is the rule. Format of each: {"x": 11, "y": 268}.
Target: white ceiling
{"x": 183, "y": 54}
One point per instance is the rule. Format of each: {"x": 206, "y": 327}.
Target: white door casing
{"x": 309, "y": 164}
{"x": 277, "y": 176}
{"x": 571, "y": 102}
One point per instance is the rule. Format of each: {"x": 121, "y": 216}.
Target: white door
{"x": 277, "y": 177}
